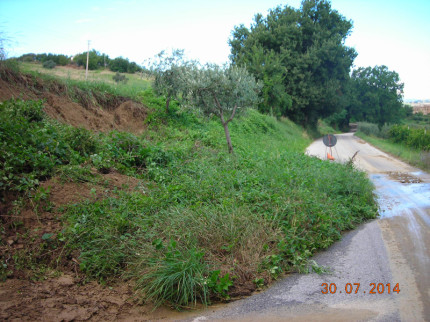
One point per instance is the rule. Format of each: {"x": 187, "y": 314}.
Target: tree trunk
{"x": 167, "y": 105}
{"x": 225, "y": 123}
{"x": 227, "y": 136}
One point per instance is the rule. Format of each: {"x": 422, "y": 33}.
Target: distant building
{"x": 421, "y": 108}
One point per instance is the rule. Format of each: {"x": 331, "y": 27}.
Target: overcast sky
{"x": 395, "y": 33}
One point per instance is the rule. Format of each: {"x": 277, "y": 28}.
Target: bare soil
{"x": 65, "y": 298}
{"x": 59, "y": 292}
{"x": 100, "y": 113}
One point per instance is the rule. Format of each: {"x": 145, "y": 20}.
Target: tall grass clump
{"x": 176, "y": 276}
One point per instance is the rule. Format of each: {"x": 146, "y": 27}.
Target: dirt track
{"x": 392, "y": 249}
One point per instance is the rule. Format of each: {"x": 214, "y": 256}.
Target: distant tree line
{"x": 96, "y": 61}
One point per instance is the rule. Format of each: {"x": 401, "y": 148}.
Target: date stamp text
{"x": 354, "y": 288}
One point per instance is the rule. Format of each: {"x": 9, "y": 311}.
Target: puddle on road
{"x": 399, "y": 192}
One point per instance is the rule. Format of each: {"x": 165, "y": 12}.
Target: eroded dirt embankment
{"x": 91, "y": 110}
{"x": 63, "y": 294}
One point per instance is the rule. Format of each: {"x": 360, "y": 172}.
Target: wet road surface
{"x": 367, "y": 264}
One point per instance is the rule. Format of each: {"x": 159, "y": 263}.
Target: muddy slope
{"x": 71, "y": 105}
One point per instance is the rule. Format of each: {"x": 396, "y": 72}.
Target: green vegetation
{"x": 49, "y": 64}
{"x": 95, "y": 61}
{"x": 301, "y": 58}
{"x": 376, "y": 96}
{"x": 118, "y": 78}
{"x": 417, "y": 138}
{"x": 99, "y": 82}
{"x": 30, "y": 146}
{"x": 202, "y": 221}
{"x": 418, "y": 158}
{"x": 408, "y": 142}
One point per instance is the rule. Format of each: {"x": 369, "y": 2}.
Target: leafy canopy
{"x": 300, "y": 56}
{"x": 376, "y": 95}
{"x": 220, "y": 90}
{"x": 214, "y": 90}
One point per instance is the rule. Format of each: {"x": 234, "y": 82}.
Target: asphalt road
{"x": 379, "y": 255}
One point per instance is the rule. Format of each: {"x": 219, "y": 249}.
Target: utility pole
{"x": 88, "y": 58}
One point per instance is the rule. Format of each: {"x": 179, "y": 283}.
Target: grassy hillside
{"x": 184, "y": 221}
{"x": 136, "y": 82}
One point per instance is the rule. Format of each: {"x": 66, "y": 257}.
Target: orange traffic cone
{"x": 330, "y": 157}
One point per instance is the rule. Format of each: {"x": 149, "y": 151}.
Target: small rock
{"x": 10, "y": 242}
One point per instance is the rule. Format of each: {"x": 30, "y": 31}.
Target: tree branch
{"x": 232, "y": 114}
{"x": 221, "y": 114}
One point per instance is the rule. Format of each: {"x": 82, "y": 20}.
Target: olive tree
{"x": 166, "y": 71}
{"x": 222, "y": 91}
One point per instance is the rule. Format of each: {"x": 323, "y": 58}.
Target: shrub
{"x": 49, "y": 64}
{"x": 418, "y": 138}
{"x": 81, "y": 140}
{"x": 368, "y": 128}
{"x": 38, "y": 150}
{"x": 385, "y": 131}
{"x": 118, "y": 78}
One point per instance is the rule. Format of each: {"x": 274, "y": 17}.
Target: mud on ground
{"x": 60, "y": 293}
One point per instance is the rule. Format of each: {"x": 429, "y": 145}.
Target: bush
{"x": 118, "y": 78}
{"x": 417, "y": 138}
{"x": 81, "y": 140}
{"x": 31, "y": 147}
{"x": 49, "y": 64}
{"x": 385, "y": 131}
{"x": 368, "y": 128}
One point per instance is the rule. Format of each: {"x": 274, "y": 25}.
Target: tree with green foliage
{"x": 166, "y": 70}
{"x": 300, "y": 56}
{"x": 61, "y": 60}
{"x": 376, "y": 96}
{"x": 123, "y": 65}
{"x": 119, "y": 64}
{"x": 29, "y": 58}
{"x": 2, "y": 50}
{"x": 96, "y": 60}
{"x": 222, "y": 91}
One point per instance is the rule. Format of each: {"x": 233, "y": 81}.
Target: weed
{"x": 40, "y": 200}
{"x": 219, "y": 285}
{"x": 5, "y": 270}
{"x": 177, "y": 278}
{"x": 76, "y": 173}
{"x": 259, "y": 282}
{"x": 314, "y": 267}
